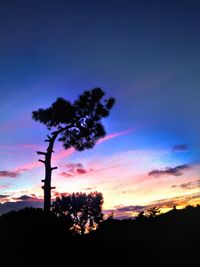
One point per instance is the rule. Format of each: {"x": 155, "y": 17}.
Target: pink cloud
{"x": 73, "y": 169}
{"x": 37, "y": 164}
{"x": 111, "y": 136}
{"x": 66, "y": 153}
{"x": 30, "y": 165}
{"x": 4, "y": 186}
{"x": 8, "y": 174}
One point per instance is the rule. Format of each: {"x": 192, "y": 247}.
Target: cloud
{"x": 12, "y": 174}
{"x": 123, "y": 212}
{"x": 36, "y": 164}
{"x": 66, "y": 153}
{"x": 117, "y": 134}
{"x": 4, "y": 186}
{"x": 176, "y": 201}
{"x": 81, "y": 171}
{"x": 188, "y": 185}
{"x": 176, "y": 171}
{"x": 9, "y": 174}
{"x": 73, "y": 169}
{"x": 65, "y": 174}
{"x": 181, "y": 147}
{"x": 130, "y": 208}
{"x": 73, "y": 165}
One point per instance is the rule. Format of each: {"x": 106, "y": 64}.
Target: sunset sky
{"x": 146, "y": 55}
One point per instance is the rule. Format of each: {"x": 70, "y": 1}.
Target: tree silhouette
{"x": 85, "y": 211}
{"x": 77, "y": 124}
{"x": 141, "y": 216}
{"x": 153, "y": 211}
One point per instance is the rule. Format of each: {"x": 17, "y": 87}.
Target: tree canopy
{"x": 79, "y": 123}
{"x": 84, "y": 210}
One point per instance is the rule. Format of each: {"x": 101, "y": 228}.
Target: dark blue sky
{"x": 144, "y": 53}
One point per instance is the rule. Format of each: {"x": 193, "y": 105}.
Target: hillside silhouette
{"x": 30, "y": 237}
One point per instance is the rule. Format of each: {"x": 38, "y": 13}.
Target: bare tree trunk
{"x": 48, "y": 170}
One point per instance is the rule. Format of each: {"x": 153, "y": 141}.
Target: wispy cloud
{"x": 5, "y": 186}
{"x": 12, "y": 174}
{"x": 66, "y": 153}
{"x": 73, "y": 166}
{"x": 188, "y": 185}
{"x": 123, "y": 211}
{"x": 130, "y": 208}
{"x": 9, "y": 174}
{"x": 114, "y": 135}
{"x": 176, "y": 201}
{"x": 176, "y": 171}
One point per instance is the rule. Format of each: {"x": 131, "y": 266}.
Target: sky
{"x": 146, "y": 55}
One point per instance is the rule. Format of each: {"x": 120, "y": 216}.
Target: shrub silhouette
{"x": 77, "y": 125}
{"x": 84, "y": 211}
{"x": 140, "y": 216}
{"x": 152, "y": 212}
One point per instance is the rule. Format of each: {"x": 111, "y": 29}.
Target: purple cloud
{"x": 81, "y": 171}
{"x": 188, "y": 185}
{"x": 124, "y": 212}
{"x": 130, "y": 208}
{"x": 176, "y": 171}
{"x": 9, "y": 174}
{"x": 73, "y": 169}
{"x": 4, "y": 186}
{"x": 73, "y": 166}
{"x": 12, "y": 174}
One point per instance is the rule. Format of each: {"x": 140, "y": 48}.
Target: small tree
{"x": 140, "y": 216}
{"x": 78, "y": 125}
{"x": 153, "y": 212}
{"x": 85, "y": 211}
